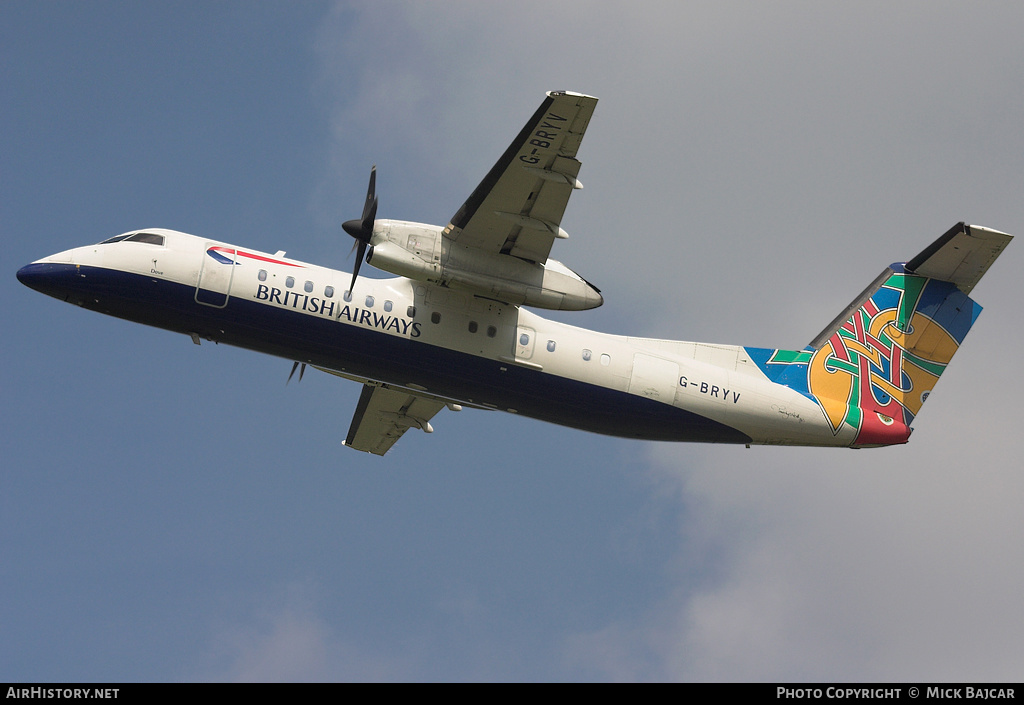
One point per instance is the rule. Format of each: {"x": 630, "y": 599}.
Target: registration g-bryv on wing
{"x": 456, "y": 327}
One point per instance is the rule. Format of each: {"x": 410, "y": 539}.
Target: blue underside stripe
{"x": 375, "y": 355}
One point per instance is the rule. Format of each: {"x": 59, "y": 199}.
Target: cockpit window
{"x": 151, "y": 238}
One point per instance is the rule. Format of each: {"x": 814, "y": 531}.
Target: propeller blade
{"x": 362, "y": 229}
{"x": 295, "y": 366}
{"x": 370, "y": 207}
{"x": 359, "y": 261}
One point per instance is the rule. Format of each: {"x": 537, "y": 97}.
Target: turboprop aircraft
{"x": 454, "y": 328}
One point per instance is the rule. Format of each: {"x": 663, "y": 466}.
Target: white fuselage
{"x": 439, "y": 341}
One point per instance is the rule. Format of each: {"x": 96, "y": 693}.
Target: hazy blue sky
{"x": 171, "y": 512}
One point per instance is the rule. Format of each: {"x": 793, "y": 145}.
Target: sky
{"x": 178, "y": 513}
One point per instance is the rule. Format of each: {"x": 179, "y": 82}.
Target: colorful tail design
{"x": 873, "y": 367}
{"x": 876, "y": 370}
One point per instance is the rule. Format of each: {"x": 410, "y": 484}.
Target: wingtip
{"x": 574, "y": 94}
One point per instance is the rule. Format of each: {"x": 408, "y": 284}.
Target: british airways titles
{"x": 353, "y": 314}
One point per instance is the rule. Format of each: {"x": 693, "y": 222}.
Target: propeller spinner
{"x": 362, "y": 229}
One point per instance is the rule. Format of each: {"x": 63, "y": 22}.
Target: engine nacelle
{"x": 392, "y": 258}
{"x": 551, "y": 285}
{"x": 420, "y": 252}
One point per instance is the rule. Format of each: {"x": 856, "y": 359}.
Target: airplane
{"x": 455, "y": 327}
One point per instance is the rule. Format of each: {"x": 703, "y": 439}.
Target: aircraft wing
{"x": 961, "y": 256}
{"x": 384, "y": 414}
{"x": 517, "y": 209}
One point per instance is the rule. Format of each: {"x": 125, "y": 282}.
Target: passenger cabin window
{"x": 435, "y": 317}
{"x": 369, "y": 302}
{"x": 308, "y": 287}
{"x": 411, "y": 312}
{"x": 289, "y": 282}
{"x": 551, "y": 346}
{"x": 524, "y": 339}
{"x": 262, "y": 276}
{"x": 388, "y": 306}
{"x": 491, "y": 331}
{"x": 347, "y": 296}
{"x": 329, "y": 292}
{"x": 606, "y": 359}
{"x": 472, "y": 327}
{"x": 586, "y": 355}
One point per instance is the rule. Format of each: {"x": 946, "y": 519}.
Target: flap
{"x": 384, "y": 414}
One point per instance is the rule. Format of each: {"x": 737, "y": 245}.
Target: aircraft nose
{"x": 33, "y": 276}
{"x": 47, "y": 277}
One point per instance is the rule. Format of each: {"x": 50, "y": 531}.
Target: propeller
{"x": 295, "y": 366}
{"x": 362, "y": 229}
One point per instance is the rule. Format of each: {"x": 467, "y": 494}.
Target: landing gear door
{"x": 215, "y": 275}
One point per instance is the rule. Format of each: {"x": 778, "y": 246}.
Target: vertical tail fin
{"x": 874, "y": 366}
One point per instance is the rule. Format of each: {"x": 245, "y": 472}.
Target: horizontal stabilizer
{"x": 961, "y": 256}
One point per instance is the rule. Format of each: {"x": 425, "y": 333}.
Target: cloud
{"x": 748, "y": 171}
{"x": 289, "y": 639}
{"x": 821, "y": 565}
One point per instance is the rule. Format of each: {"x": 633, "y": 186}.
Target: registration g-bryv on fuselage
{"x": 455, "y": 327}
